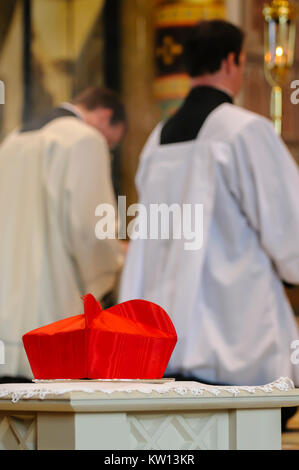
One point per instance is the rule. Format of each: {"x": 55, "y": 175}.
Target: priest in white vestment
{"x": 54, "y": 172}
{"x": 227, "y": 300}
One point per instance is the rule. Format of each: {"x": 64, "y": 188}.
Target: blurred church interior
{"x": 51, "y": 49}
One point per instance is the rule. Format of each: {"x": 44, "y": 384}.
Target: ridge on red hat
{"x": 132, "y": 340}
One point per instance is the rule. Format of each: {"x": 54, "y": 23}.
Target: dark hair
{"x": 95, "y": 97}
{"x": 209, "y": 44}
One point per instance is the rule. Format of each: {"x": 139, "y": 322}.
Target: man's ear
{"x": 230, "y": 62}
{"x": 105, "y": 115}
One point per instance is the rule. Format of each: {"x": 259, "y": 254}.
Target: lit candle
{"x": 279, "y": 56}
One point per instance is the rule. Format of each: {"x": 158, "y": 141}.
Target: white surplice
{"x": 51, "y": 181}
{"x": 227, "y": 301}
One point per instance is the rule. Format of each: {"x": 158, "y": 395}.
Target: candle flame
{"x": 279, "y": 51}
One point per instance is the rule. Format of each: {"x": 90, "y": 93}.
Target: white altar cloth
{"x": 43, "y": 389}
{"x": 133, "y": 415}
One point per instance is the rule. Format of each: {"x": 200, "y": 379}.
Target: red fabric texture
{"x": 133, "y": 340}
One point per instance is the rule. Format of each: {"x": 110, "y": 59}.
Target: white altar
{"x": 129, "y": 416}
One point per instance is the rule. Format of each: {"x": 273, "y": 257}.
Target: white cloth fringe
{"x": 42, "y": 389}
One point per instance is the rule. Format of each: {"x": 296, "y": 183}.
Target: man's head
{"x": 214, "y": 55}
{"x": 103, "y": 110}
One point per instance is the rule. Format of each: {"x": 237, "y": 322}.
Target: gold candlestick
{"x": 280, "y": 34}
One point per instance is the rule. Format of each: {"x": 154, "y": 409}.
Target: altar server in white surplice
{"x": 54, "y": 172}
{"x": 227, "y": 300}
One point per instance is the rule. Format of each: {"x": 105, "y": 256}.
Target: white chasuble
{"x": 227, "y": 300}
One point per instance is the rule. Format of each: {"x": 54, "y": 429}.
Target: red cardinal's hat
{"x": 133, "y": 340}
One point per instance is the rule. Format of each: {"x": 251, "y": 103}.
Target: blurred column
{"x": 137, "y": 78}
{"x": 66, "y": 49}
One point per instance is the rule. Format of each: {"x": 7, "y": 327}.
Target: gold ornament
{"x": 280, "y": 34}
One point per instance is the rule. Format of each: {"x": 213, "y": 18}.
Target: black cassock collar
{"x": 186, "y": 123}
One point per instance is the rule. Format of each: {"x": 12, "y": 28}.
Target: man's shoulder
{"x": 244, "y": 116}
{"x": 73, "y": 127}
{"x": 70, "y": 132}
{"x": 229, "y": 121}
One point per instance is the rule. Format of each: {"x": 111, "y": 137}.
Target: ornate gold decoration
{"x": 280, "y": 33}
{"x": 172, "y": 20}
{"x": 169, "y": 50}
